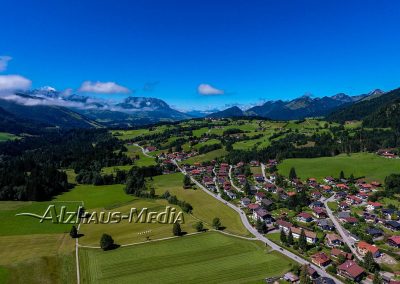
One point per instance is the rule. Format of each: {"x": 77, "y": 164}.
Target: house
{"x": 310, "y": 236}
{"x": 245, "y": 201}
{"x": 266, "y": 203}
{"x": 364, "y": 247}
{"x": 335, "y": 253}
{"x": 253, "y": 206}
{"x": 353, "y": 200}
{"x": 342, "y": 186}
{"x": 259, "y": 177}
{"x": 344, "y": 206}
{"x": 231, "y": 194}
{"x": 304, "y": 217}
{"x": 392, "y": 225}
{"x": 373, "y": 206}
{"x": 291, "y": 277}
{"x": 350, "y": 220}
{"x": 351, "y": 270}
{"x": 260, "y": 196}
{"x": 312, "y": 273}
{"x": 324, "y": 280}
{"x": 316, "y": 204}
{"x": 394, "y": 241}
{"x": 374, "y": 232}
{"x": 262, "y": 215}
{"x": 320, "y": 259}
{"x": 340, "y": 195}
{"x": 329, "y": 180}
{"x": 343, "y": 215}
{"x": 270, "y": 187}
{"x": 284, "y": 225}
{"x": 326, "y": 188}
{"x": 390, "y": 213}
{"x": 319, "y": 212}
{"x": 326, "y": 224}
{"x": 333, "y": 240}
{"x": 316, "y": 195}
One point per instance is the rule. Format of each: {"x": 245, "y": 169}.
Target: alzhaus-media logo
{"x": 61, "y": 215}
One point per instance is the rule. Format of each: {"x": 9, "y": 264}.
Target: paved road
{"x": 345, "y": 236}
{"x": 259, "y": 236}
{"x": 231, "y": 180}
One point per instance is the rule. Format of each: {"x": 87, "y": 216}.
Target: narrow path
{"x": 249, "y": 227}
{"x": 78, "y": 273}
{"x": 143, "y": 151}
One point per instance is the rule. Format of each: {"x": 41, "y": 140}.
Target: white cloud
{"x": 102, "y": 88}
{"x": 14, "y": 82}
{"x": 4, "y": 62}
{"x": 208, "y": 90}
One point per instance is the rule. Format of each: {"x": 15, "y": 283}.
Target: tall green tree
{"x": 303, "y": 241}
{"x": 341, "y": 175}
{"x": 74, "y": 232}
{"x": 176, "y": 229}
{"x": 106, "y": 242}
{"x": 290, "y": 238}
{"x": 199, "y": 226}
{"x": 377, "y": 278}
{"x": 186, "y": 181}
{"x": 369, "y": 262}
{"x": 216, "y": 223}
{"x": 304, "y": 279}
{"x": 283, "y": 237}
{"x": 292, "y": 173}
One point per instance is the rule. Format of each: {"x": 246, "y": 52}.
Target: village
{"x": 333, "y": 223}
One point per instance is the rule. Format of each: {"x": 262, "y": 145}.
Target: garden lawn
{"x": 367, "y": 165}
{"x": 203, "y": 258}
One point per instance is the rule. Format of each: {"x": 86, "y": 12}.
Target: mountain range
{"x": 48, "y": 108}
{"x": 298, "y": 108}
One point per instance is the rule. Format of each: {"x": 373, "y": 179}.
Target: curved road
{"x": 259, "y": 236}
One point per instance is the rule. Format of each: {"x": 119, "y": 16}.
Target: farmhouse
{"x": 304, "y": 217}
{"x": 310, "y": 236}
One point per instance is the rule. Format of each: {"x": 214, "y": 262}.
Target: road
{"x": 231, "y": 180}
{"x": 144, "y": 151}
{"x": 259, "y": 236}
{"x": 345, "y": 236}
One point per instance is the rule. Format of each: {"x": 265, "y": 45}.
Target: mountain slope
{"x": 50, "y": 115}
{"x": 229, "y": 112}
{"x": 365, "y": 107}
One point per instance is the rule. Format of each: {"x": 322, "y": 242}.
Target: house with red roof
{"x": 364, "y": 247}
{"x": 335, "y": 253}
{"x": 320, "y": 259}
{"x": 260, "y": 196}
{"x": 320, "y": 212}
{"x": 394, "y": 241}
{"x": 305, "y": 217}
{"x": 351, "y": 270}
{"x": 333, "y": 240}
{"x": 373, "y": 206}
{"x": 353, "y": 200}
{"x": 284, "y": 225}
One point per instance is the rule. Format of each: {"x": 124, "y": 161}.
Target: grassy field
{"x": 206, "y": 157}
{"x": 127, "y": 233}
{"x": 7, "y": 136}
{"x": 93, "y": 197}
{"x": 367, "y": 165}
{"x": 37, "y": 259}
{"x": 205, "y": 207}
{"x": 204, "y": 258}
{"x": 134, "y": 151}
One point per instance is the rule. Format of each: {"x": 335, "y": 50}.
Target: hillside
{"x": 229, "y": 112}
{"x": 367, "y": 109}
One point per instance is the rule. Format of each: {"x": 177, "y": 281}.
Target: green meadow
{"x": 367, "y": 165}
{"x": 203, "y": 258}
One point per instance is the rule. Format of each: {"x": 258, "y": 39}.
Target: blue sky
{"x": 242, "y": 52}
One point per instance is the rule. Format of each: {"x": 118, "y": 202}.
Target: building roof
{"x": 304, "y": 215}
{"x": 308, "y": 234}
{"x": 284, "y": 223}
{"x": 320, "y": 257}
{"x": 395, "y": 239}
{"x": 253, "y": 206}
{"x": 366, "y": 246}
{"x": 351, "y": 268}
